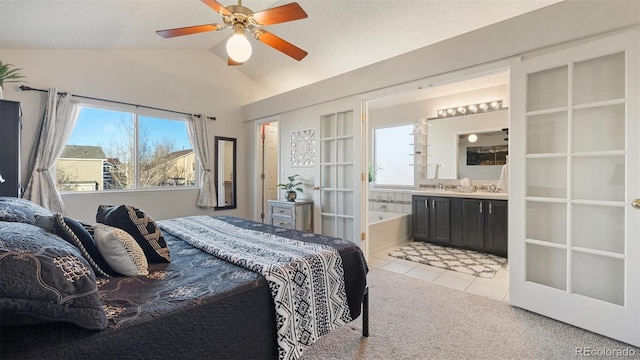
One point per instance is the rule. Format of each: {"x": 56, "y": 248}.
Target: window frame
{"x": 136, "y": 112}
{"x": 374, "y": 160}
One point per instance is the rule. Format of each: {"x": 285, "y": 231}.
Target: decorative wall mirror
{"x": 225, "y": 172}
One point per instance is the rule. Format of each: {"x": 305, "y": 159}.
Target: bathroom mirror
{"x": 481, "y": 155}
{"x": 448, "y": 140}
{"x": 225, "y": 172}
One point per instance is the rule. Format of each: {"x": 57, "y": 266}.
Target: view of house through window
{"x": 112, "y": 150}
{"x": 392, "y": 164}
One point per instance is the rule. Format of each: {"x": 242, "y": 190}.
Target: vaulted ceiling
{"x": 339, "y": 35}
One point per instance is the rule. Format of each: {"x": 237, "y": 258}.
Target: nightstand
{"x": 292, "y": 214}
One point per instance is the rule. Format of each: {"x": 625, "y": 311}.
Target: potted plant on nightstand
{"x": 7, "y": 75}
{"x": 292, "y": 187}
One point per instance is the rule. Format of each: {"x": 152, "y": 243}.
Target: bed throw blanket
{"x": 306, "y": 280}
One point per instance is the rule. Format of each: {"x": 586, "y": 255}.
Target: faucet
{"x": 440, "y": 186}
{"x": 492, "y": 188}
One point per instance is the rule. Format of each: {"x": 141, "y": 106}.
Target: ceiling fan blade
{"x": 232, "y": 62}
{"x": 217, "y": 7}
{"x": 169, "y": 33}
{"x": 280, "y": 44}
{"x": 280, "y": 14}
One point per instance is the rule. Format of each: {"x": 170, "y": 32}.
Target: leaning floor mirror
{"x": 225, "y": 172}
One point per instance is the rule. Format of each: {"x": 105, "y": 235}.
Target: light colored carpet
{"x": 451, "y": 258}
{"x": 414, "y": 319}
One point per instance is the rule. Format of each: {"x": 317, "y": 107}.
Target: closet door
{"x": 575, "y": 215}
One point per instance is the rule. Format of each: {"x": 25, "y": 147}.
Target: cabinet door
{"x": 473, "y": 223}
{"x": 420, "y": 226}
{"x": 456, "y": 221}
{"x": 496, "y": 226}
{"x": 439, "y": 219}
{"x": 10, "y": 148}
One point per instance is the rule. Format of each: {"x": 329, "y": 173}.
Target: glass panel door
{"x": 336, "y": 175}
{"x": 574, "y": 250}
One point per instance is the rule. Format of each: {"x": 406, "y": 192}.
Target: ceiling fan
{"x": 243, "y": 19}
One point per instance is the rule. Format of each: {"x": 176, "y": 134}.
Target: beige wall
{"x": 193, "y": 81}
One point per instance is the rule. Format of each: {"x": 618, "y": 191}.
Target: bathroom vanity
{"x": 476, "y": 221}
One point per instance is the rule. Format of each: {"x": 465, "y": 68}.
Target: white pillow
{"x": 120, "y": 250}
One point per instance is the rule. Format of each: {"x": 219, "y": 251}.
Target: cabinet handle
{"x": 426, "y": 203}
{"x": 433, "y": 204}
{"x": 481, "y": 208}
{"x": 490, "y": 208}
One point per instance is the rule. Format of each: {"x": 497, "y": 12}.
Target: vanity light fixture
{"x": 470, "y": 109}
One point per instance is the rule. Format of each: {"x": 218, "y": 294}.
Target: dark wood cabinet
{"x": 431, "y": 219}
{"x": 476, "y": 224}
{"x": 10, "y": 123}
{"x": 496, "y": 226}
{"x": 473, "y": 223}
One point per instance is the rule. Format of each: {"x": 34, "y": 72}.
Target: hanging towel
{"x": 503, "y": 184}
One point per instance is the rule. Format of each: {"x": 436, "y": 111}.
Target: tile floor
{"x": 495, "y": 288}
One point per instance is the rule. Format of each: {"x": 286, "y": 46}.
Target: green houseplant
{"x": 292, "y": 187}
{"x": 8, "y": 73}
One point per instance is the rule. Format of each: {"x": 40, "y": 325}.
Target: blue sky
{"x": 98, "y": 127}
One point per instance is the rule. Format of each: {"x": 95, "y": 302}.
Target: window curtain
{"x": 57, "y": 125}
{"x": 200, "y": 139}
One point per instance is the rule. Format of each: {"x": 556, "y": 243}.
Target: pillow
{"x": 15, "y": 209}
{"x": 45, "y": 279}
{"x": 79, "y": 236}
{"x": 120, "y": 250}
{"x": 140, "y": 226}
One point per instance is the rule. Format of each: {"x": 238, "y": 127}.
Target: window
{"x": 110, "y": 149}
{"x": 392, "y": 163}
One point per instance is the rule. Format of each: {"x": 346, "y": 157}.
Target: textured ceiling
{"x": 340, "y": 35}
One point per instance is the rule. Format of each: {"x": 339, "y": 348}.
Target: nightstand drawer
{"x": 285, "y": 223}
{"x": 281, "y": 210}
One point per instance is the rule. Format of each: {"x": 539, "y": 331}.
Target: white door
{"x": 337, "y": 193}
{"x": 269, "y": 165}
{"x": 574, "y": 234}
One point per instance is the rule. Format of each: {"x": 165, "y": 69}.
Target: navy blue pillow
{"x": 45, "y": 279}
{"x": 79, "y": 235}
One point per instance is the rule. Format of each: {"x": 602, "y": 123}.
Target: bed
{"x": 196, "y": 306}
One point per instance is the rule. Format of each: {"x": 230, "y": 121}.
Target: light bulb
{"x": 472, "y": 138}
{"x": 238, "y": 47}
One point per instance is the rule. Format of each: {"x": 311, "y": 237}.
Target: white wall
{"x": 192, "y": 81}
{"x": 442, "y": 138}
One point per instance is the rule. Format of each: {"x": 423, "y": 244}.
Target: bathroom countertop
{"x": 474, "y": 195}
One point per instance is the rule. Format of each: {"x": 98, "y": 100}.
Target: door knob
{"x": 636, "y": 203}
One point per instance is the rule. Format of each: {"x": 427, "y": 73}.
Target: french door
{"x": 337, "y": 191}
{"x": 574, "y": 234}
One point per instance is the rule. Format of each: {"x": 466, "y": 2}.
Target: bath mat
{"x": 460, "y": 260}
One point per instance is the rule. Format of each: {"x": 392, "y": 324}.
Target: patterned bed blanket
{"x": 306, "y": 279}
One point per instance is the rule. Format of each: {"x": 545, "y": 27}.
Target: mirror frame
{"x": 217, "y": 141}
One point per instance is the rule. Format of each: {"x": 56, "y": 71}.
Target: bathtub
{"x": 388, "y": 230}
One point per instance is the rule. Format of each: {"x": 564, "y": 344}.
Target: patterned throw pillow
{"x": 78, "y": 234}
{"x": 45, "y": 279}
{"x": 120, "y": 250}
{"x": 140, "y": 226}
{"x": 20, "y": 210}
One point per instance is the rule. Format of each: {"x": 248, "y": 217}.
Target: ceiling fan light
{"x": 239, "y": 47}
